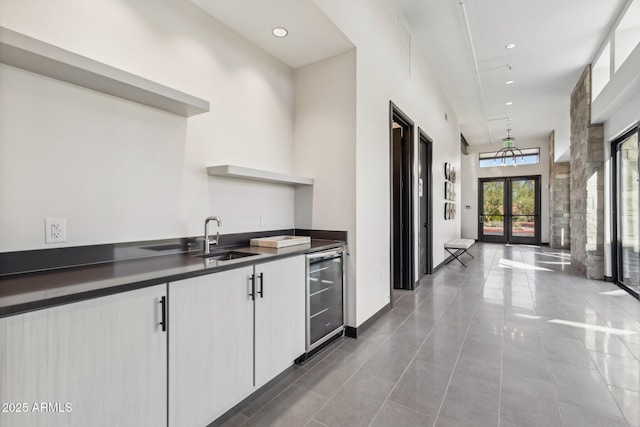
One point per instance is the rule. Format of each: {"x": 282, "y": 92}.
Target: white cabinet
{"x": 210, "y": 346}
{"x": 224, "y": 344}
{"x": 100, "y": 362}
{"x": 279, "y": 316}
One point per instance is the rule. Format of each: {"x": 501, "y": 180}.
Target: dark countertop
{"x": 20, "y": 293}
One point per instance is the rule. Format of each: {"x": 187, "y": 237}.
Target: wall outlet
{"x": 55, "y": 230}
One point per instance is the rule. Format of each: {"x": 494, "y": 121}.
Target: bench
{"x": 457, "y": 248}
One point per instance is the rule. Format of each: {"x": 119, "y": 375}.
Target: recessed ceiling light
{"x": 280, "y": 32}
{"x": 510, "y": 46}
{"x": 509, "y": 103}
{"x": 509, "y": 82}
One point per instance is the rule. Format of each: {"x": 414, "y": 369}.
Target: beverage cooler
{"x": 325, "y": 298}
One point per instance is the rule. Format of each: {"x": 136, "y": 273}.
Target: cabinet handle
{"x": 253, "y": 287}
{"x": 163, "y": 305}
{"x": 261, "y": 285}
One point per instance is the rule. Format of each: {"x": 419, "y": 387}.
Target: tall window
{"x": 628, "y": 211}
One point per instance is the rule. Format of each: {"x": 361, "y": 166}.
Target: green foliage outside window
{"x": 523, "y": 203}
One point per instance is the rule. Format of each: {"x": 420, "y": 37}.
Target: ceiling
{"x": 554, "y": 42}
{"x": 465, "y": 41}
{"x": 312, "y": 36}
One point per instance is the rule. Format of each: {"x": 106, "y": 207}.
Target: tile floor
{"x": 518, "y": 338}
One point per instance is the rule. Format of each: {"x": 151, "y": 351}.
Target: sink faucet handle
{"x": 207, "y": 239}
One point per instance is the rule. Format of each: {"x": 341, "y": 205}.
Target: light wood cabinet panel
{"x": 279, "y": 316}
{"x": 105, "y": 357}
{"x": 210, "y": 346}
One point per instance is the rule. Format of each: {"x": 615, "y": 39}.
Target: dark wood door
{"x": 424, "y": 198}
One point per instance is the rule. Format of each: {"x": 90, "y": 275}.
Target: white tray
{"x": 280, "y": 241}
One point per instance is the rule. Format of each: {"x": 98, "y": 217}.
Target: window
{"x": 627, "y": 34}
{"x": 530, "y": 156}
{"x": 627, "y": 209}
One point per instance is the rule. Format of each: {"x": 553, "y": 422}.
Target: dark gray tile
{"x": 528, "y": 402}
{"x": 515, "y": 325}
{"x": 419, "y": 322}
{"x": 294, "y": 407}
{"x": 526, "y": 362}
{"x": 466, "y": 408}
{"x": 577, "y": 416}
{"x": 439, "y": 350}
{"x": 567, "y": 350}
{"x": 495, "y": 323}
{"x": 556, "y": 330}
{"x": 406, "y": 305}
{"x": 389, "y": 322}
{"x": 583, "y": 387}
{"x": 328, "y": 376}
{"x": 628, "y": 403}
{"x": 524, "y": 339}
{"x": 422, "y": 388}
{"x": 618, "y": 371}
{"x": 277, "y": 386}
{"x": 396, "y": 415}
{"x": 356, "y": 403}
{"x": 606, "y": 343}
{"x": 633, "y": 348}
{"x": 365, "y": 344}
{"x": 410, "y": 334}
{"x": 390, "y": 361}
{"x": 235, "y": 421}
{"x": 476, "y": 375}
{"x": 324, "y": 353}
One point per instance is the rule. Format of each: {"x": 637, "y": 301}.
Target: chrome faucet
{"x": 207, "y": 240}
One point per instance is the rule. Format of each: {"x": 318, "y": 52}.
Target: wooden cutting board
{"x": 280, "y": 241}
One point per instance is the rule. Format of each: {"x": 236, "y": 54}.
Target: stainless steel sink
{"x": 226, "y": 256}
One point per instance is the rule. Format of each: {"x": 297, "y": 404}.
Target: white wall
{"x": 617, "y": 107}
{"x": 470, "y": 172}
{"x": 134, "y": 173}
{"x": 325, "y": 137}
{"x": 119, "y": 171}
{"x": 372, "y": 26}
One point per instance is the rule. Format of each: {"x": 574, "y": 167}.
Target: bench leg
{"x": 457, "y": 256}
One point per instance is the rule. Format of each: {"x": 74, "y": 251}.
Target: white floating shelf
{"x": 231, "y": 171}
{"x": 42, "y": 58}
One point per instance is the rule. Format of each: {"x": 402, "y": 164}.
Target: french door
{"x": 627, "y": 211}
{"x": 509, "y": 210}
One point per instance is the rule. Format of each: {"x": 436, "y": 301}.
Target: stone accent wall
{"x": 559, "y": 200}
{"x": 586, "y": 183}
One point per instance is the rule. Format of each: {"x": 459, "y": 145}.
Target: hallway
{"x": 518, "y": 338}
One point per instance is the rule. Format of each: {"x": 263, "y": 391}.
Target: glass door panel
{"x": 492, "y": 219}
{"x": 628, "y": 213}
{"x": 524, "y": 210}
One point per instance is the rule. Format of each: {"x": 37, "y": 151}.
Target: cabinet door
{"x": 100, "y": 362}
{"x": 210, "y": 346}
{"x": 280, "y": 316}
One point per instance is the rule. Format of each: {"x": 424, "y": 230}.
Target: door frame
{"x": 616, "y": 242}
{"x": 508, "y": 238}
{"x": 481, "y": 236}
{"x": 406, "y": 248}
{"x": 427, "y": 189}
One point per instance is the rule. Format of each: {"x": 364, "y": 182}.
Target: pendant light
{"x": 508, "y": 151}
